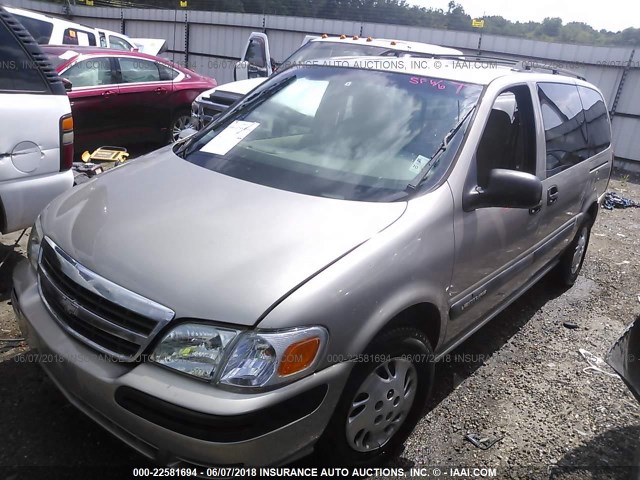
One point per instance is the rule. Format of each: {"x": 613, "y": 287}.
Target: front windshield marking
{"x": 338, "y": 132}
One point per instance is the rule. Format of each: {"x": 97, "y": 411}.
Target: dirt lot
{"x": 520, "y": 378}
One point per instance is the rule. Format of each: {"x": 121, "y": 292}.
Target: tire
{"x": 181, "y": 120}
{"x": 567, "y": 271}
{"x": 352, "y": 437}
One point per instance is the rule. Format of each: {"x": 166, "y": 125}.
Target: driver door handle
{"x": 552, "y": 194}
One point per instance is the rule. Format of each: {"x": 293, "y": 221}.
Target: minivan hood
{"x": 204, "y": 244}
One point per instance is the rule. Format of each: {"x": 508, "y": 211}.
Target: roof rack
{"x": 523, "y": 66}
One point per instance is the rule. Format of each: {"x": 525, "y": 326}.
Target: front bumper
{"x": 171, "y": 418}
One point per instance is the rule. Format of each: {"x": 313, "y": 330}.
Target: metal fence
{"x": 211, "y": 42}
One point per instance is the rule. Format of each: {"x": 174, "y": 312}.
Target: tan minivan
{"x": 347, "y": 224}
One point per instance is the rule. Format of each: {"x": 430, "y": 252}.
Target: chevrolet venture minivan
{"x": 341, "y": 228}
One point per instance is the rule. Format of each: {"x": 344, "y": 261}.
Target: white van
{"x": 36, "y": 140}
{"x": 48, "y": 30}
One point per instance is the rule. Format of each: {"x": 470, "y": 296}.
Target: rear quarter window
{"x": 597, "y": 120}
{"x": 167, "y": 73}
{"x": 18, "y": 72}
{"x": 564, "y": 126}
{"x": 39, "y": 29}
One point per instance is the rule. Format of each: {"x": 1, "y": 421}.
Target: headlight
{"x": 35, "y": 242}
{"x": 261, "y": 359}
{"x": 193, "y": 348}
{"x": 195, "y": 108}
{"x": 252, "y": 360}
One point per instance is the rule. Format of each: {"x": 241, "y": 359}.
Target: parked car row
{"x": 50, "y": 30}
{"x": 119, "y": 95}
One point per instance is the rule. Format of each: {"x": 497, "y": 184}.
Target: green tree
{"x": 551, "y": 26}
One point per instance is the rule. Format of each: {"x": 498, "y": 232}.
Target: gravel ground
{"x": 520, "y": 379}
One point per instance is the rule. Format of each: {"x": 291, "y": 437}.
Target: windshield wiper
{"x": 262, "y": 95}
{"x": 413, "y": 185}
{"x": 183, "y": 144}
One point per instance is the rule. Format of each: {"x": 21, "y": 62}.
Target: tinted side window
{"x": 71, "y": 36}
{"x": 167, "y": 73}
{"x": 90, "y": 73}
{"x": 255, "y": 53}
{"x": 135, "y": 70}
{"x": 39, "y": 30}
{"x": 564, "y": 126}
{"x": 18, "y": 73}
{"x": 598, "y": 127}
{"x": 118, "y": 43}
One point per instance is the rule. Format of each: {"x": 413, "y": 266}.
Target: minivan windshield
{"x": 339, "y": 132}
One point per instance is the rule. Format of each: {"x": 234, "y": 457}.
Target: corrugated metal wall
{"x": 216, "y": 40}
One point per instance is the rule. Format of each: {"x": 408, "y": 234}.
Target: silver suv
{"x": 340, "y": 229}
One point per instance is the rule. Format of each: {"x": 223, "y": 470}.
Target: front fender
{"x": 408, "y": 263}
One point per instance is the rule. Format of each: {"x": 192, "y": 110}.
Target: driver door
{"x": 492, "y": 244}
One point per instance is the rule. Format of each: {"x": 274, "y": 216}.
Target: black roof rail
{"x": 516, "y": 65}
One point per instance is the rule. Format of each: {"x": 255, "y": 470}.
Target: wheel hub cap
{"x": 578, "y": 253}
{"x": 381, "y": 405}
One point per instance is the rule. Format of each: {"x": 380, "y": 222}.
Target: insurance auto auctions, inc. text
{"x": 413, "y": 472}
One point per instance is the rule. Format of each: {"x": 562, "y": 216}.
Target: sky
{"x": 612, "y": 15}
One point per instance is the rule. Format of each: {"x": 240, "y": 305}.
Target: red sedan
{"x": 125, "y": 98}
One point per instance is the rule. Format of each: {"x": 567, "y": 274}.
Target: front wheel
{"x": 181, "y": 121}
{"x": 382, "y": 401}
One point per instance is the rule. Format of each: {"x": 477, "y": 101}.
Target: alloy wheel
{"x": 179, "y": 124}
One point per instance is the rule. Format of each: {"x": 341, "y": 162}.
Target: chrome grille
{"x": 210, "y": 107}
{"x": 105, "y": 316}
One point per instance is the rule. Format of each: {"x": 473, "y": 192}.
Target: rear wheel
{"x": 382, "y": 401}
{"x": 567, "y": 271}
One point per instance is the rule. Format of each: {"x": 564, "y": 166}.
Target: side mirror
{"x": 241, "y": 70}
{"x": 67, "y": 84}
{"x": 505, "y": 188}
